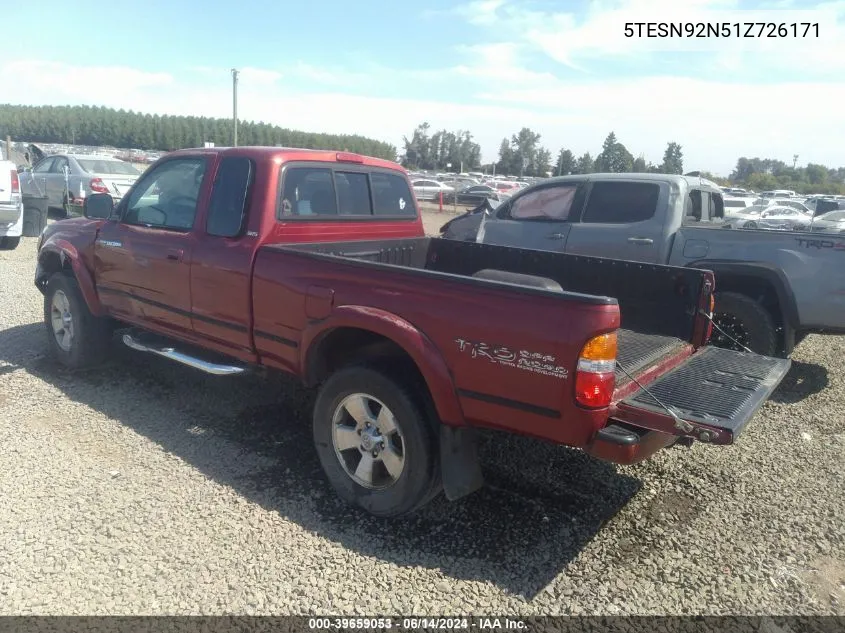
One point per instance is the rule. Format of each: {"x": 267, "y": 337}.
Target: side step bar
{"x": 180, "y": 357}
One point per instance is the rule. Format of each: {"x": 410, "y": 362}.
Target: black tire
{"x": 747, "y": 321}
{"x": 419, "y": 480}
{"x": 91, "y": 335}
{"x": 751, "y": 225}
{"x": 9, "y": 243}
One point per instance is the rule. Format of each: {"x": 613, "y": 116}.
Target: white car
{"x": 11, "y": 206}
{"x": 801, "y": 205}
{"x": 830, "y": 222}
{"x": 767, "y": 217}
{"x": 735, "y": 205}
{"x": 429, "y": 189}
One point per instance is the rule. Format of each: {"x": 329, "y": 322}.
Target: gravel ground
{"x": 148, "y": 488}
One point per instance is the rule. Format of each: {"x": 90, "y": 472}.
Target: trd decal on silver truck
{"x": 837, "y": 246}
{"x": 530, "y": 361}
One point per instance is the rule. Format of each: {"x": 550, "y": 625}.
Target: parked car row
{"x": 67, "y": 179}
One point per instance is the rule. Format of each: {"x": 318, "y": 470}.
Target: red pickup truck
{"x": 315, "y": 263}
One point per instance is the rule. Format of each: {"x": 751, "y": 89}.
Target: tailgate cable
{"x": 680, "y": 423}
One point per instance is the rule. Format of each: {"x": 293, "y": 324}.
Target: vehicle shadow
{"x": 542, "y": 504}
{"x": 801, "y": 381}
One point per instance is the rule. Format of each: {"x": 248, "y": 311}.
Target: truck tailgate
{"x": 715, "y": 392}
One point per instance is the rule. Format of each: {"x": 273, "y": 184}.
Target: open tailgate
{"x": 715, "y": 392}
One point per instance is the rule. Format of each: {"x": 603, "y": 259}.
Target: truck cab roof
{"x": 286, "y": 154}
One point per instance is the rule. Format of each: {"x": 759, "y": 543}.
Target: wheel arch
{"x": 762, "y": 282}
{"x": 59, "y": 258}
{"x": 355, "y": 333}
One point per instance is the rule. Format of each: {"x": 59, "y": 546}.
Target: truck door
{"x": 621, "y": 221}
{"x": 222, "y": 258}
{"x": 56, "y": 181}
{"x": 538, "y": 219}
{"x": 142, "y": 260}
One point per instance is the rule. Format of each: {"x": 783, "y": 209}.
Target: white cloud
{"x": 600, "y": 34}
{"x": 714, "y": 122}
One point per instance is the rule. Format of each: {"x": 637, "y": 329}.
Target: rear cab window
{"x": 325, "y": 191}
{"x": 229, "y": 196}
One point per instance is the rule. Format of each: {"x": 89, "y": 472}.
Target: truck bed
{"x": 658, "y": 324}
{"x": 639, "y": 351}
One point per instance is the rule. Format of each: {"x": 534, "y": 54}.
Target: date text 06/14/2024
{"x": 798, "y": 30}
{"x": 416, "y": 623}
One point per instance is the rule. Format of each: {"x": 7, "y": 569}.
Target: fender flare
{"x": 773, "y": 275}
{"x": 415, "y": 343}
{"x": 68, "y": 252}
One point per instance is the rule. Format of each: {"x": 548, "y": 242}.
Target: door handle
{"x": 555, "y": 236}
{"x": 640, "y": 240}
{"x": 175, "y": 254}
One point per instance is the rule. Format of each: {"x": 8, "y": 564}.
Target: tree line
{"x": 99, "y": 126}
{"x": 523, "y": 155}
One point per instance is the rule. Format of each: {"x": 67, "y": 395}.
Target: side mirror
{"x": 98, "y": 206}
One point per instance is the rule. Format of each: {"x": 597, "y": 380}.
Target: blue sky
{"x": 491, "y": 66}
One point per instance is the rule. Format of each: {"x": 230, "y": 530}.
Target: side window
{"x": 621, "y": 202}
{"x": 692, "y": 207}
{"x": 58, "y": 164}
{"x": 717, "y": 206}
{"x": 391, "y": 195}
{"x": 167, "y": 196}
{"x": 353, "y": 193}
{"x": 44, "y": 166}
{"x": 549, "y": 203}
{"x": 308, "y": 191}
{"x": 227, "y": 208}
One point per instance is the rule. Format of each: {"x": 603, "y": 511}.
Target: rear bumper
{"x": 10, "y": 213}
{"x": 625, "y": 445}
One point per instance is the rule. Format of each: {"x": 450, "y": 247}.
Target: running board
{"x": 180, "y": 357}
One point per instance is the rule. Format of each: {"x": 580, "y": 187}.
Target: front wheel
{"x": 77, "y": 338}
{"x": 374, "y": 442}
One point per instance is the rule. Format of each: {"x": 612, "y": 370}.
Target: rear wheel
{"x": 77, "y": 338}
{"x": 9, "y": 243}
{"x": 746, "y": 321}
{"x": 374, "y": 442}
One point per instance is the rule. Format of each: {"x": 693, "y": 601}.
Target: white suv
{"x": 11, "y": 207}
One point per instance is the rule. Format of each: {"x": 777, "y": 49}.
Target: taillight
{"x": 595, "y": 377}
{"x": 16, "y": 183}
{"x": 98, "y": 186}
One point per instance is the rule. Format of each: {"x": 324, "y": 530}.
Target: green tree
{"x": 673, "y": 159}
{"x": 614, "y": 156}
{"x": 585, "y": 164}
{"x": 565, "y": 163}
{"x": 543, "y": 164}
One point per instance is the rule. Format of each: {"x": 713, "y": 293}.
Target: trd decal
{"x": 536, "y": 362}
{"x": 807, "y": 243}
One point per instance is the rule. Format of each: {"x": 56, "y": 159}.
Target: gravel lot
{"x": 149, "y": 488}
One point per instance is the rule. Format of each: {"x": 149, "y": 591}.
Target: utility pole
{"x": 234, "y": 107}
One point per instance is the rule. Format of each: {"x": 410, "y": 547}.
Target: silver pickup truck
{"x": 772, "y": 287}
